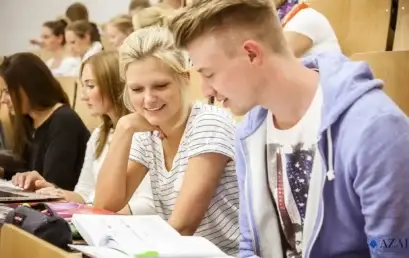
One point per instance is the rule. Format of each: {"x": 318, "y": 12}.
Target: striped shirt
{"x": 209, "y": 129}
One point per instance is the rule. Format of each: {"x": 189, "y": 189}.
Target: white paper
{"x": 140, "y": 234}
{"x": 5, "y": 185}
{"x": 99, "y": 252}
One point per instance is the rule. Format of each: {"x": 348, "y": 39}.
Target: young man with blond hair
{"x": 322, "y": 154}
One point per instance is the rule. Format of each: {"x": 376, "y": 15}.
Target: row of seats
{"x": 392, "y": 67}
{"x": 365, "y": 25}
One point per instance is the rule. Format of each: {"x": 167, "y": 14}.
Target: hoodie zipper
{"x": 250, "y": 218}
{"x": 320, "y": 218}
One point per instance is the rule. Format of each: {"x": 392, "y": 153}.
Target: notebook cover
{"x": 67, "y": 209}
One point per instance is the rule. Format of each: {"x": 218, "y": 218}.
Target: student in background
{"x": 175, "y": 4}
{"x": 74, "y": 12}
{"x": 77, "y": 12}
{"x": 136, "y": 5}
{"x": 48, "y": 135}
{"x": 117, "y": 29}
{"x": 322, "y": 156}
{"x": 306, "y": 30}
{"x": 82, "y": 39}
{"x": 187, "y": 148}
{"x": 101, "y": 90}
{"x": 152, "y": 16}
{"x": 53, "y": 39}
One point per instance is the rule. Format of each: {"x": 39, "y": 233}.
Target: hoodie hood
{"x": 342, "y": 81}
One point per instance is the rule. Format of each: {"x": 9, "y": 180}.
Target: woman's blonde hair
{"x": 157, "y": 15}
{"x": 105, "y": 69}
{"x": 123, "y": 23}
{"x": 155, "y": 42}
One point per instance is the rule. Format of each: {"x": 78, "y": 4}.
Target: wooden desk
{"x": 16, "y": 243}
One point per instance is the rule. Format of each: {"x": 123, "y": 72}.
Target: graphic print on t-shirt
{"x": 289, "y": 171}
{"x": 299, "y": 166}
{"x": 292, "y": 157}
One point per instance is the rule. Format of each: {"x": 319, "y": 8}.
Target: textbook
{"x": 141, "y": 236}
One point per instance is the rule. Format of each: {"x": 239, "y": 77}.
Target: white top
{"x": 141, "y": 202}
{"x": 315, "y": 26}
{"x": 95, "y": 47}
{"x": 69, "y": 66}
{"x": 209, "y": 129}
{"x": 292, "y": 156}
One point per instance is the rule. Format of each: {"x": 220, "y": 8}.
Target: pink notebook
{"x": 67, "y": 209}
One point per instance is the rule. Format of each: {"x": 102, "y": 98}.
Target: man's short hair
{"x": 257, "y": 18}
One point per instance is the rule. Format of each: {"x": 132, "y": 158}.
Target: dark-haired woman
{"x": 48, "y": 135}
{"x": 53, "y": 38}
{"x": 83, "y": 39}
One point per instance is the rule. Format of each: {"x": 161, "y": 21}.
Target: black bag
{"x": 41, "y": 221}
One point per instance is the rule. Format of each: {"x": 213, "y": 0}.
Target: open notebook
{"x": 119, "y": 236}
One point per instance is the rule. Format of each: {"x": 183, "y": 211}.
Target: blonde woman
{"x": 117, "y": 29}
{"x": 185, "y": 147}
{"x": 102, "y": 89}
{"x": 152, "y": 16}
{"x": 136, "y": 5}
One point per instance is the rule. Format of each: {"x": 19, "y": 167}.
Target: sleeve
{"x": 246, "y": 242}
{"x": 212, "y": 133}
{"x": 141, "y": 202}
{"x": 138, "y": 152}
{"x": 311, "y": 24}
{"x": 73, "y": 67}
{"x": 13, "y": 166}
{"x": 63, "y": 156}
{"x": 86, "y": 182}
{"x": 380, "y": 169}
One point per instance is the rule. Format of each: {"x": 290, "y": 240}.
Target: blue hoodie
{"x": 358, "y": 206}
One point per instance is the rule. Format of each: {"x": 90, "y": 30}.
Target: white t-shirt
{"x": 292, "y": 156}
{"x": 95, "y": 47}
{"x": 69, "y": 66}
{"x": 141, "y": 202}
{"x": 315, "y": 26}
{"x": 209, "y": 130}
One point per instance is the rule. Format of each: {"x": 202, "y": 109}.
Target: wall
{"x": 20, "y": 20}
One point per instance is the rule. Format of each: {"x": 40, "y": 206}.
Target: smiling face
{"x": 154, "y": 91}
{"x": 232, "y": 78}
{"x": 91, "y": 93}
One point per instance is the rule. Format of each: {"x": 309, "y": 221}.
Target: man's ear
{"x": 187, "y": 75}
{"x": 253, "y": 51}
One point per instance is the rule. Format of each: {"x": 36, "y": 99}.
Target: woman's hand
{"x": 137, "y": 123}
{"x": 30, "y": 181}
{"x": 53, "y": 191}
